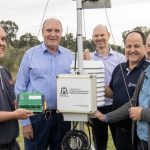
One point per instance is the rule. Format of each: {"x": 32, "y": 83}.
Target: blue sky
{"x": 123, "y": 15}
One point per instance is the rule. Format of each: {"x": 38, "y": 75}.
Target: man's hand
{"x": 22, "y": 113}
{"x": 86, "y": 54}
{"x": 135, "y": 113}
{"x": 100, "y": 116}
{"x": 27, "y": 132}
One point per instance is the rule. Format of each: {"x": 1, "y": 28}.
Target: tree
{"x": 88, "y": 44}
{"x": 11, "y": 29}
{"x": 117, "y": 48}
{"x": 68, "y": 41}
{"x": 145, "y": 30}
{"x": 27, "y": 40}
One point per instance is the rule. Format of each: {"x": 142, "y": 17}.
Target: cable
{"x": 90, "y": 43}
{"x": 88, "y": 126}
{"x": 76, "y": 140}
{"x": 92, "y": 46}
{"x": 75, "y": 126}
{"x": 114, "y": 45}
{"x": 43, "y": 18}
{"x": 75, "y": 62}
{"x": 84, "y": 1}
{"x": 117, "y": 55}
{"x": 84, "y": 23}
{"x": 142, "y": 145}
{"x": 40, "y": 28}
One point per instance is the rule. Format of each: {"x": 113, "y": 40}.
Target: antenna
{"x": 93, "y": 4}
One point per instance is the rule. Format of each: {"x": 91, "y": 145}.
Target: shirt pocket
{"x": 38, "y": 73}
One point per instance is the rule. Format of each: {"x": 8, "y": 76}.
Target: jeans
{"x": 47, "y": 132}
{"x": 123, "y": 139}
{"x": 142, "y": 145}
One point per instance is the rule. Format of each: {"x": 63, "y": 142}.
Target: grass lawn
{"x": 20, "y": 140}
{"x": 110, "y": 142}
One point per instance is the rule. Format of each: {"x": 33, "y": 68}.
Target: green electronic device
{"x": 32, "y": 101}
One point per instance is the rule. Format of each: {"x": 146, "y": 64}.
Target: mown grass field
{"x": 110, "y": 142}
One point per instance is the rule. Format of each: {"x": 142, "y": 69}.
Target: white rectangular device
{"x": 76, "y": 93}
{"x": 79, "y": 94}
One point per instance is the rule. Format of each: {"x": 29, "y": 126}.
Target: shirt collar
{"x": 111, "y": 52}
{"x": 138, "y": 65}
{"x": 147, "y": 72}
{"x": 45, "y": 49}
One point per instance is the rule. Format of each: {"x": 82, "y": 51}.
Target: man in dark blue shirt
{"x": 8, "y": 114}
{"x": 123, "y": 83}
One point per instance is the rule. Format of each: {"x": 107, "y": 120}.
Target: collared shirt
{"x": 117, "y": 84}
{"x": 8, "y": 129}
{"x": 122, "y": 77}
{"x": 144, "y": 101}
{"x": 110, "y": 62}
{"x": 39, "y": 69}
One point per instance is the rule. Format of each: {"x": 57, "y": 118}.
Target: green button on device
{"x": 32, "y": 101}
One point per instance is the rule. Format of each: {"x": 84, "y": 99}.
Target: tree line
{"x": 17, "y": 47}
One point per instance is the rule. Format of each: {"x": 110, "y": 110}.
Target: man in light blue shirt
{"x": 143, "y": 129}
{"x": 38, "y": 70}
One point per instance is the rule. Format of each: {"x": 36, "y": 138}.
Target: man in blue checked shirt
{"x": 38, "y": 70}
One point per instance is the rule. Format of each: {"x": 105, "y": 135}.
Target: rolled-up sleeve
{"x": 22, "y": 82}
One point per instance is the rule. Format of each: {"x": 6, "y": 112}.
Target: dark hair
{"x": 140, "y": 33}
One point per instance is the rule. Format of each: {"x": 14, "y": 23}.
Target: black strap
{"x": 135, "y": 103}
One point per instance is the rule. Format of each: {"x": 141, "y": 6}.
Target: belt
{"x": 49, "y": 113}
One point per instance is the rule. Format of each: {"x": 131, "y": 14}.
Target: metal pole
{"x": 80, "y": 43}
{"x": 79, "y": 36}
